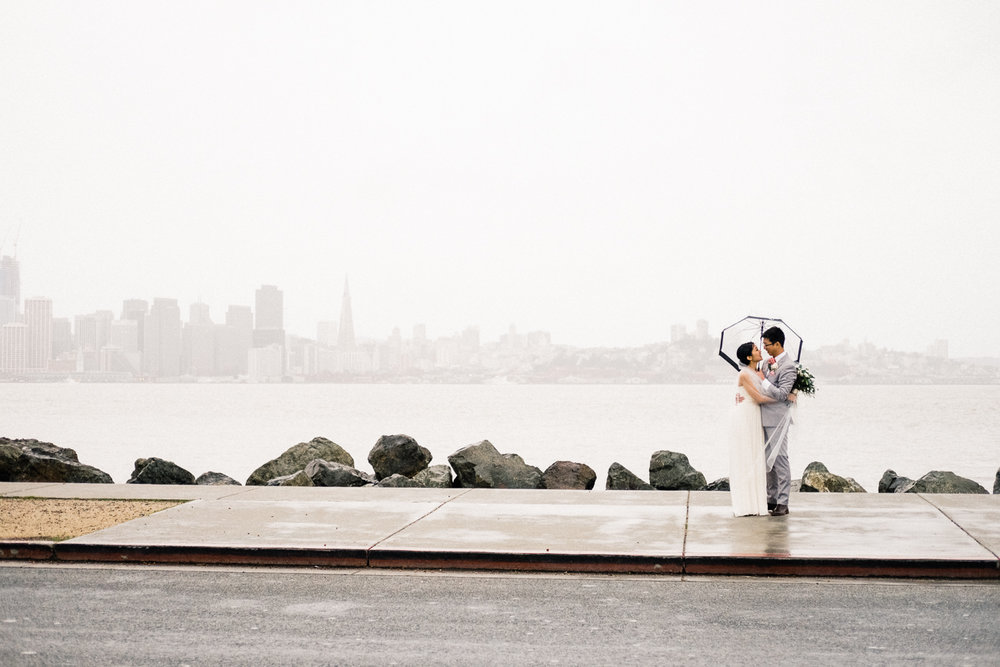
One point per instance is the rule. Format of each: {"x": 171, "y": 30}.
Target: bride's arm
{"x": 754, "y": 390}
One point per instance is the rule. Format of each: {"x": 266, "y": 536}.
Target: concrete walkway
{"x": 669, "y": 532}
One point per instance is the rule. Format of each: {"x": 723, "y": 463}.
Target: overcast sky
{"x": 599, "y": 170}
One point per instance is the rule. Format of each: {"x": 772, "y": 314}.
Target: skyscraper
{"x": 162, "y": 339}
{"x": 13, "y": 337}
{"x": 136, "y": 310}
{"x": 269, "y": 317}
{"x": 345, "y": 338}
{"x": 199, "y": 342}
{"x": 38, "y": 343}
{"x": 236, "y": 341}
{"x": 92, "y": 333}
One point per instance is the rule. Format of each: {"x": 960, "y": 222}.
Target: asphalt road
{"x": 135, "y": 615}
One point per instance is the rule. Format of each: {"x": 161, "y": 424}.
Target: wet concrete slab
{"x": 827, "y": 533}
{"x": 274, "y": 518}
{"x": 977, "y": 515}
{"x": 263, "y": 525}
{"x": 550, "y": 529}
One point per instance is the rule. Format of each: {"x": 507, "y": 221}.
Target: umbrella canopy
{"x": 750, "y": 330}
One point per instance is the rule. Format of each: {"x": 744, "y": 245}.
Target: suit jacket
{"x": 781, "y": 381}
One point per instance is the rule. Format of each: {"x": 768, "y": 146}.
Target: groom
{"x": 779, "y": 377}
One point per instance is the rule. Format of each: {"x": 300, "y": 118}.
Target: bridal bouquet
{"x": 804, "y": 381}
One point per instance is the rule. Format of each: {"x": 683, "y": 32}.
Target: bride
{"x": 747, "y": 473}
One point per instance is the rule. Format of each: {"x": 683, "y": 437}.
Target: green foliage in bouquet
{"x": 804, "y": 381}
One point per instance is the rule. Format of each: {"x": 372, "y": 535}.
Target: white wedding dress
{"x": 747, "y": 477}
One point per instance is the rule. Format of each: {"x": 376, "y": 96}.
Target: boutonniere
{"x": 772, "y": 364}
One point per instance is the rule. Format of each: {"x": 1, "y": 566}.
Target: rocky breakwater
{"x": 400, "y": 461}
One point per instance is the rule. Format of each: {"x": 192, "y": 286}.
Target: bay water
{"x": 857, "y": 431}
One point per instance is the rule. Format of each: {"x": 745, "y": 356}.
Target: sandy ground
{"x": 63, "y": 518}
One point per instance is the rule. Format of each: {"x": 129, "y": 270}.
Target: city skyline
{"x": 597, "y": 170}
{"x": 151, "y": 341}
{"x": 345, "y": 336}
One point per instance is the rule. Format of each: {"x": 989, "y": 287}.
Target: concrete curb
{"x": 471, "y": 560}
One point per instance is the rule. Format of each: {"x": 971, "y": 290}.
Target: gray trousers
{"x": 779, "y": 478}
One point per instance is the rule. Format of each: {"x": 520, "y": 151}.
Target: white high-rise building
{"x": 38, "y": 344}
{"x": 13, "y": 337}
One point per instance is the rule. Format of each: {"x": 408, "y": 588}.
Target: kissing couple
{"x": 760, "y": 477}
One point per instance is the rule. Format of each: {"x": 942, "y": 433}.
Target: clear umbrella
{"x": 750, "y": 330}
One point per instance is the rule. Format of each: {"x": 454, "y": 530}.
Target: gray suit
{"x": 780, "y": 383}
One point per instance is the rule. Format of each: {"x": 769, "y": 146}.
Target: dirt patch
{"x": 63, "y": 518}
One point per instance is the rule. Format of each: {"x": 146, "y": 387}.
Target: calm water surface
{"x": 857, "y": 432}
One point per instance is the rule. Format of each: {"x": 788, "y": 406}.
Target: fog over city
{"x": 599, "y": 171}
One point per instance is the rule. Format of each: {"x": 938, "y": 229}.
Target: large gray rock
{"x": 298, "y": 479}
{"x": 35, "y": 461}
{"x": 482, "y": 466}
{"x": 996, "y": 483}
{"x": 215, "y": 479}
{"x": 671, "y": 471}
{"x": 817, "y": 479}
{"x": 435, "y": 477}
{"x": 943, "y": 481}
{"x": 621, "y": 478}
{"x": 398, "y": 454}
{"x": 398, "y": 481}
{"x": 158, "y": 471}
{"x": 331, "y": 473}
{"x": 569, "y": 475}
{"x": 893, "y": 483}
{"x": 297, "y": 457}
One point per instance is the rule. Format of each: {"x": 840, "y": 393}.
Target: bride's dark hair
{"x": 743, "y": 353}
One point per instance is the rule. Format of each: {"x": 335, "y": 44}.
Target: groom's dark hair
{"x": 775, "y": 335}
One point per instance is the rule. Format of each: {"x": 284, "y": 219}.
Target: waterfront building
{"x": 199, "y": 342}
{"x": 38, "y": 320}
{"x": 92, "y": 332}
{"x": 269, "y": 317}
{"x": 122, "y": 354}
{"x": 13, "y": 357}
{"x": 235, "y": 341}
{"x": 136, "y": 310}
{"x": 266, "y": 364}
{"x": 162, "y": 339}
{"x": 62, "y": 339}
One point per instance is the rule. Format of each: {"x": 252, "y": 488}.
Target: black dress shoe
{"x": 779, "y": 510}
{"x": 770, "y": 507}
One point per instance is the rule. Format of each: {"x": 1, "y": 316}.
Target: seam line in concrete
{"x": 368, "y": 557}
{"x": 684, "y": 543}
{"x": 971, "y": 536}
